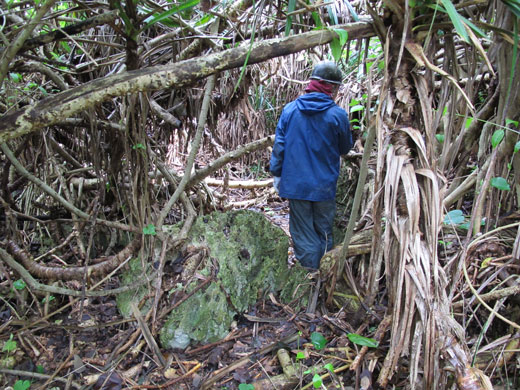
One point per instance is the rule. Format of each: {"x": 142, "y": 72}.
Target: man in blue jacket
{"x": 311, "y": 135}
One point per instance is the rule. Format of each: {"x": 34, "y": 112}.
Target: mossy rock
{"x": 133, "y": 274}
{"x": 251, "y": 256}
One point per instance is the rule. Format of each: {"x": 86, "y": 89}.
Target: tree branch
{"x": 66, "y": 104}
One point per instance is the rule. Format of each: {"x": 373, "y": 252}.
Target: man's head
{"x": 328, "y": 72}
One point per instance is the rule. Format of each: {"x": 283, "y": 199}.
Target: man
{"x": 311, "y": 135}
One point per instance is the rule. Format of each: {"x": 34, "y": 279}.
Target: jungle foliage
{"x": 118, "y": 118}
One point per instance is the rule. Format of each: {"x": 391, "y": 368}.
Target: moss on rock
{"x": 132, "y": 275}
{"x": 251, "y": 256}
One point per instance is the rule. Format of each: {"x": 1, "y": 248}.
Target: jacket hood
{"x": 314, "y": 102}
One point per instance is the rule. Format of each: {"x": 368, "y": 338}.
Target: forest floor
{"x": 88, "y": 345}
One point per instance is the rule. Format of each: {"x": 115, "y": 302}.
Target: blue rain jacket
{"x": 311, "y": 135}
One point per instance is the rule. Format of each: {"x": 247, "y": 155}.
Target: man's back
{"x": 311, "y": 135}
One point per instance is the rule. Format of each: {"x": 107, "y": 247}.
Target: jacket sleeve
{"x": 276, "y": 163}
{"x": 345, "y": 136}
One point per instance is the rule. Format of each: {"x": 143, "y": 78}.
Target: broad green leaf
{"x": 511, "y": 122}
{"x": 149, "y": 230}
{"x": 456, "y": 19}
{"x": 440, "y": 137}
{"x": 364, "y": 341}
{"x": 454, "y": 217}
{"x": 245, "y": 386}
{"x": 318, "y": 340}
{"x": 19, "y": 284}
{"x": 10, "y": 345}
{"x": 343, "y": 35}
{"x": 500, "y": 183}
{"x": 21, "y": 385}
{"x": 300, "y": 355}
{"x": 468, "y": 122}
{"x": 317, "y": 381}
{"x": 356, "y": 108}
{"x": 335, "y": 48}
{"x": 497, "y": 137}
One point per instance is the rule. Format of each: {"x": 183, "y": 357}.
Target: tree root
{"x": 102, "y": 267}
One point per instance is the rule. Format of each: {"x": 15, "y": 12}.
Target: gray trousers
{"x": 310, "y": 224}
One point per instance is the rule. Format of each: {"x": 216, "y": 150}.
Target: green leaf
{"x": 517, "y": 147}
{"x": 19, "y": 284}
{"x": 204, "y": 20}
{"x": 440, "y": 137}
{"x": 318, "y": 341}
{"x": 514, "y": 6}
{"x": 16, "y": 77}
{"x": 500, "y": 183}
{"x": 300, "y": 355}
{"x": 335, "y": 48}
{"x": 245, "y": 386}
{"x": 165, "y": 15}
{"x": 50, "y": 299}
{"x": 468, "y": 122}
{"x": 329, "y": 367}
{"x": 10, "y": 345}
{"x": 21, "y": 385}
{"x": 149, "y": 230}
{"x": 454, "y": 217}
{"x": 511, "y": 122}
{"x": 357, "y": 108}
{"x": 317, "y": 381}
{"x": 288, "y": 23}
{"x": 485, "y": 262}
{"x": 317, "y": 19}
{"x": 343, "y": 35}
{"x": 40, "y": 369}
{"x": 364, "y": 341}
{"x": 456, "y": 19}
{"x": 497, "y": 137}
{"x": 138, "y": 146}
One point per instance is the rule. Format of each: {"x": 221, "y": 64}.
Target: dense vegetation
{"x": 118, "y": 118}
